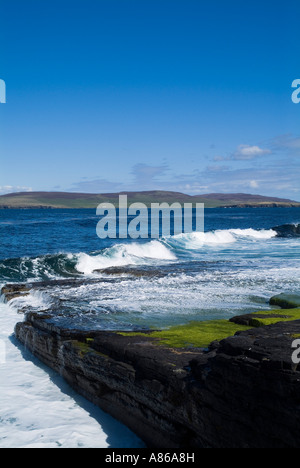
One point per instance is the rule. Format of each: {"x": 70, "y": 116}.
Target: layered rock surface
{"x": 243, "y": 391}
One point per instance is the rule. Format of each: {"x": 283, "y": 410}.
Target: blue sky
{"x": 185, "y": 95}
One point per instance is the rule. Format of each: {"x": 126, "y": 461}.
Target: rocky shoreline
{"x": 240, "y": 392}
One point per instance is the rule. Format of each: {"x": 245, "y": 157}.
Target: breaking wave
{"x": 124, "y": 254}
{"x": 39, "y": 268}
{"x": 152, "y": 252}
{"x": 196, "y": 240}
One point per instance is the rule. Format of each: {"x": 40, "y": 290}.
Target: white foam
{"x": 196, "y": 240}
{"x": 35, "y": 300}
{"x": 35, "y": 412}
{"x": 124, "y": 254}
{"x": 137, "y": 254}
{"x": 207, "y": 293}
{"x": 255, "y": 234}
{"x": 153, "y": 249}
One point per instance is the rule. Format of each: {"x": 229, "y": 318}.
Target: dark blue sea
{"x": 233, "y": 267}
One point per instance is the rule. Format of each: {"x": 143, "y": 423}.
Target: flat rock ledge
{"x": 241, "y": 392}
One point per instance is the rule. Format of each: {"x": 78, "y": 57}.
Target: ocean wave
{"x": 39, "y": 268}
{"x": 124, "y": 254}
{"x": 65, "y": 265}
{"x": 152, "y": 252}
{"x": 196, "y": 240}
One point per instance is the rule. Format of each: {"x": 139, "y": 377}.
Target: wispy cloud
{"x": 97, "y": 186}
{"x": 148, "y": 175}
{"x": 247, "y": 152}
{"x": 4, "y": 189}
{"x": 248, "y": 172}
{"x": 145, "y": 177}
{"x": 277, "y": 179}
{"x": 288, "y": 144}
{"x": 244, "y": 153}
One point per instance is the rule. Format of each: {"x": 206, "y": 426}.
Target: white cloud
{"x": 253, "y": 184}
{"x": 247, "y": 152}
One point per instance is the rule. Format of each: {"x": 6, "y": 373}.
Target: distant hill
{"x": 89, "y": 200}
{"x": 238, "y": 198}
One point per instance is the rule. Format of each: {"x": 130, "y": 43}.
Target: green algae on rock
{"x": 286, "y": 301}
{"x": 194, "y": 334}
{"x": 268, "y": 317}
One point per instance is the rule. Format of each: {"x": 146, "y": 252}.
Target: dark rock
{"x": 287, "y": 230}
{"x": 286, "y": 301}
{"x": 251, "y": 320}
{"x": 127, "y": 376}
{"x": 243, "y": 392}
{"x": 10, "y": 291}
{"x": 129, "y": 270}
{"x": 252, "y": 389}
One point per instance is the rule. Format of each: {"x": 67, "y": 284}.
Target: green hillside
{"x": 87, "y": 200}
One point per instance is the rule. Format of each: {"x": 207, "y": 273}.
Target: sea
{"x": 232, "y": 267}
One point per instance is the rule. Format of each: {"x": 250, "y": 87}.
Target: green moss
{"x": 83, "y": 348}
{"x": 201, "y": 334}
{"x": 284, "y": 315}
{"x": 286, "y": 301}
{"x": 194, "y": 334}
{"x": 198, "y": 334}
